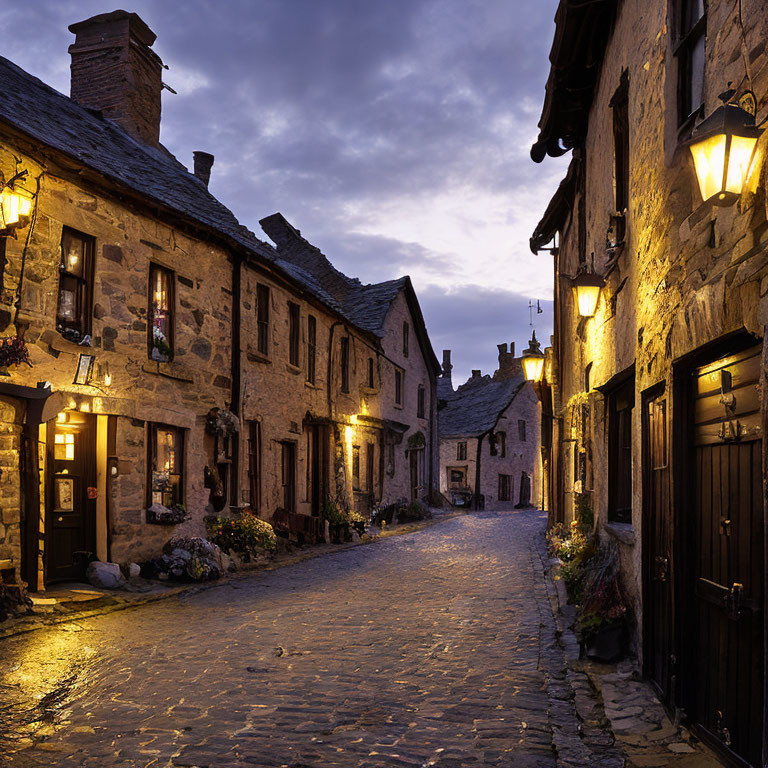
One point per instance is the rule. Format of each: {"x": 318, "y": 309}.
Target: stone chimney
{"x": 115, "y": 71}
{"x": 508, "y": 366}
{"x": 476, "y": 373}
{"x": 447, "y": 367}
{"x": 203, "y": 165}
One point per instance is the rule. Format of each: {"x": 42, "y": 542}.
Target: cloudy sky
{"x": 393, "y": 133}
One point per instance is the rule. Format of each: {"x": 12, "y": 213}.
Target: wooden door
{"x": 727, "y": 637}
{"x": 288, "y": 474}
{"x": 315, "y": 466}
{"x": 525, "y": 490}
{"x": 70, "y": 519}
{"x": 413, "y": 457}
{"x": 658, "y": 572}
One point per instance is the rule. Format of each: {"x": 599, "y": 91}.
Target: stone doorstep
{"x": 69, "y": 602}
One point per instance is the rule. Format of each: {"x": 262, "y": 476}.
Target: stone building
{"x": 489, "y": 437}
{"x": 656, "y": 407}
{"x": 180, "y": 366}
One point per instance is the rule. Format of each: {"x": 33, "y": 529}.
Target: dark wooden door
{"x": 414, "y": 473}
{"x": 727, "y": 637}
{"x": 525, "y": 490}
{"x": 70, "y": 519}
{"x": 317, "y": 473}
{"x": 288, "y": 474}
{"x": 658, "y": 572}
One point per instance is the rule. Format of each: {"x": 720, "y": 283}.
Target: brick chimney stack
{"x": 115, "y": 71}
{"x": 447, "y": 367}
{"x": 203, "y": 164}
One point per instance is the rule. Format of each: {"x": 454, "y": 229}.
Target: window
{"x": 691, "y": 36}
{"x": 356, "y": 466}
{"x": 521, "y": 430}
{"x": 161, "y": 304}
{"x": 73, "y": 310}
{"x": 262, "y": 318}
{"x": 254, "y": 464}
{"x": 288, "y": 475}
{"x": 345, "y": 363}
{"x": 461, "y": 451}
{"x": 505, "y": 487}
{"x": 457, "y": 478}
{"x": 166, "y": 462}
{"x": 370, "y": 373}
{"x": 311, "y": 348}
{"x": 406, "y": 331}
{"x": 502, "y": 443}
{"x": 620, "y": 404}
{"x": 293, "y": 333}
{"x": 421, "y": 401}
{"x": 620, "y": 106}
{"x": 3, "y": 262}
{"x": 398, "y": 387}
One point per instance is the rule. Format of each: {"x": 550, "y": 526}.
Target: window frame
{"x": 620, "y": 407}
{"x": 461, "y": 450}
{"x": 371, "y": 377}
{"x": 406, "y": 339}
{"x": 294, "y": 334}
{"x": 170, "y": 336}
{"x": 311, "y": 348}
{"x": 621, "y": 156}
{"x": 263, "y": 298}
{"x": 522, "y": 430}
{"x": 399, "y": 387}
{"x": 152, "y": 460}
{"x": 84, "y": 284}
{"x": 421, "y": 400}
{"x": 686, "y": 40}
{"x": 502, "y": 438}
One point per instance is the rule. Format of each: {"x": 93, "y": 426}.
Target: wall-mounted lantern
{"x": 723, "y": 149}
{"x": 533, "y": 360}
{"x": 15, "y": 207}
{"x": 586, "y": 286}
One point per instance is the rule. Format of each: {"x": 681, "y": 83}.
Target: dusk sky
{"x": 394, "y": 133}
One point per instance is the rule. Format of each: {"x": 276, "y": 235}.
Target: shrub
{"x": 247, "y": 535}
{"x": 415, "y": 510}
{"x": 332, "y": 513}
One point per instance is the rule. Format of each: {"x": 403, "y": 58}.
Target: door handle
{"x": 725, "y": 526}
{"x": 734, "y": 601}
{"x": 59, "y": 519}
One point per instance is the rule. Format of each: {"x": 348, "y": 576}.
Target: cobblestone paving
{"x": 437, "y": 648}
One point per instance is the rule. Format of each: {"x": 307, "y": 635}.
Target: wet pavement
{"x": 437, "y": 648}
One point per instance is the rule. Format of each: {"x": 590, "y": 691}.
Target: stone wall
{"x": 11, "y": 420}
{"x": 688, "y": 274}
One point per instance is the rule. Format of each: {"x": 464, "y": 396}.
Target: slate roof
{"x": 365, "y": 306}
{"x": 50, "y": 118}
{"x": 476, "y": 405}
{"x": 44, "y": 114}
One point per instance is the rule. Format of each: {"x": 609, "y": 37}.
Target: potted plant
{"x": 337, "y": 522}
{"x": 602, "y": 620}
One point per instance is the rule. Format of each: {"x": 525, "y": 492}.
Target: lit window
{"x": 74, "y": 300}
{"x": 166, "y": 461}
{"x": 160, "y": 314}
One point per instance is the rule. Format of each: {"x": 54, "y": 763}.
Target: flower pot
{"x": 607, "y": 644}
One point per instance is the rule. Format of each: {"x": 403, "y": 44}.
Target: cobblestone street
{"x": 436, "y": 648}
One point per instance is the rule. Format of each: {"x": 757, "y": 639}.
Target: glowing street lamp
{"x": 723, "y": 149}
{"x": 533, "y": 360}
{"x": 14, "y": 210}
{"x": 587, "y": 285}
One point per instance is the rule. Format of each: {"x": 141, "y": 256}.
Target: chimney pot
{"x": 502, "y": 349}
{"x": 447, "y": 367}
{"x": 114, "y": 70}
{"x": 203, "y": 163}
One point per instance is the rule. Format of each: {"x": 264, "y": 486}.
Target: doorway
{"x": 725, "y": 683}
{"x": 70, "y": 518}
{"x": 658, "y": 571}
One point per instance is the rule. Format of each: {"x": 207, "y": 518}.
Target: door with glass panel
{"x": 70, "y": 519}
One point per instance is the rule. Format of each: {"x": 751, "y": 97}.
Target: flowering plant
{"x": 13, "y": 351}
{"x": 246, "y": 535}
{"x": 604, "y": 607}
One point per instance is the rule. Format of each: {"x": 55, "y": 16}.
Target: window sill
{"x": 310, "y": 385}
{"x": 399, "y": 407}
{"x": 172, "y": 370}
{"x": 368, "y": 390}
{"x": 622, "y": 532}
{"x": 294, "y": 369}
{"x": 257, "y": 357}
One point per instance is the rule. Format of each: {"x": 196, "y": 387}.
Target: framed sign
{"x": 84, "y": 369}
{"x": 65, "y": 494}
